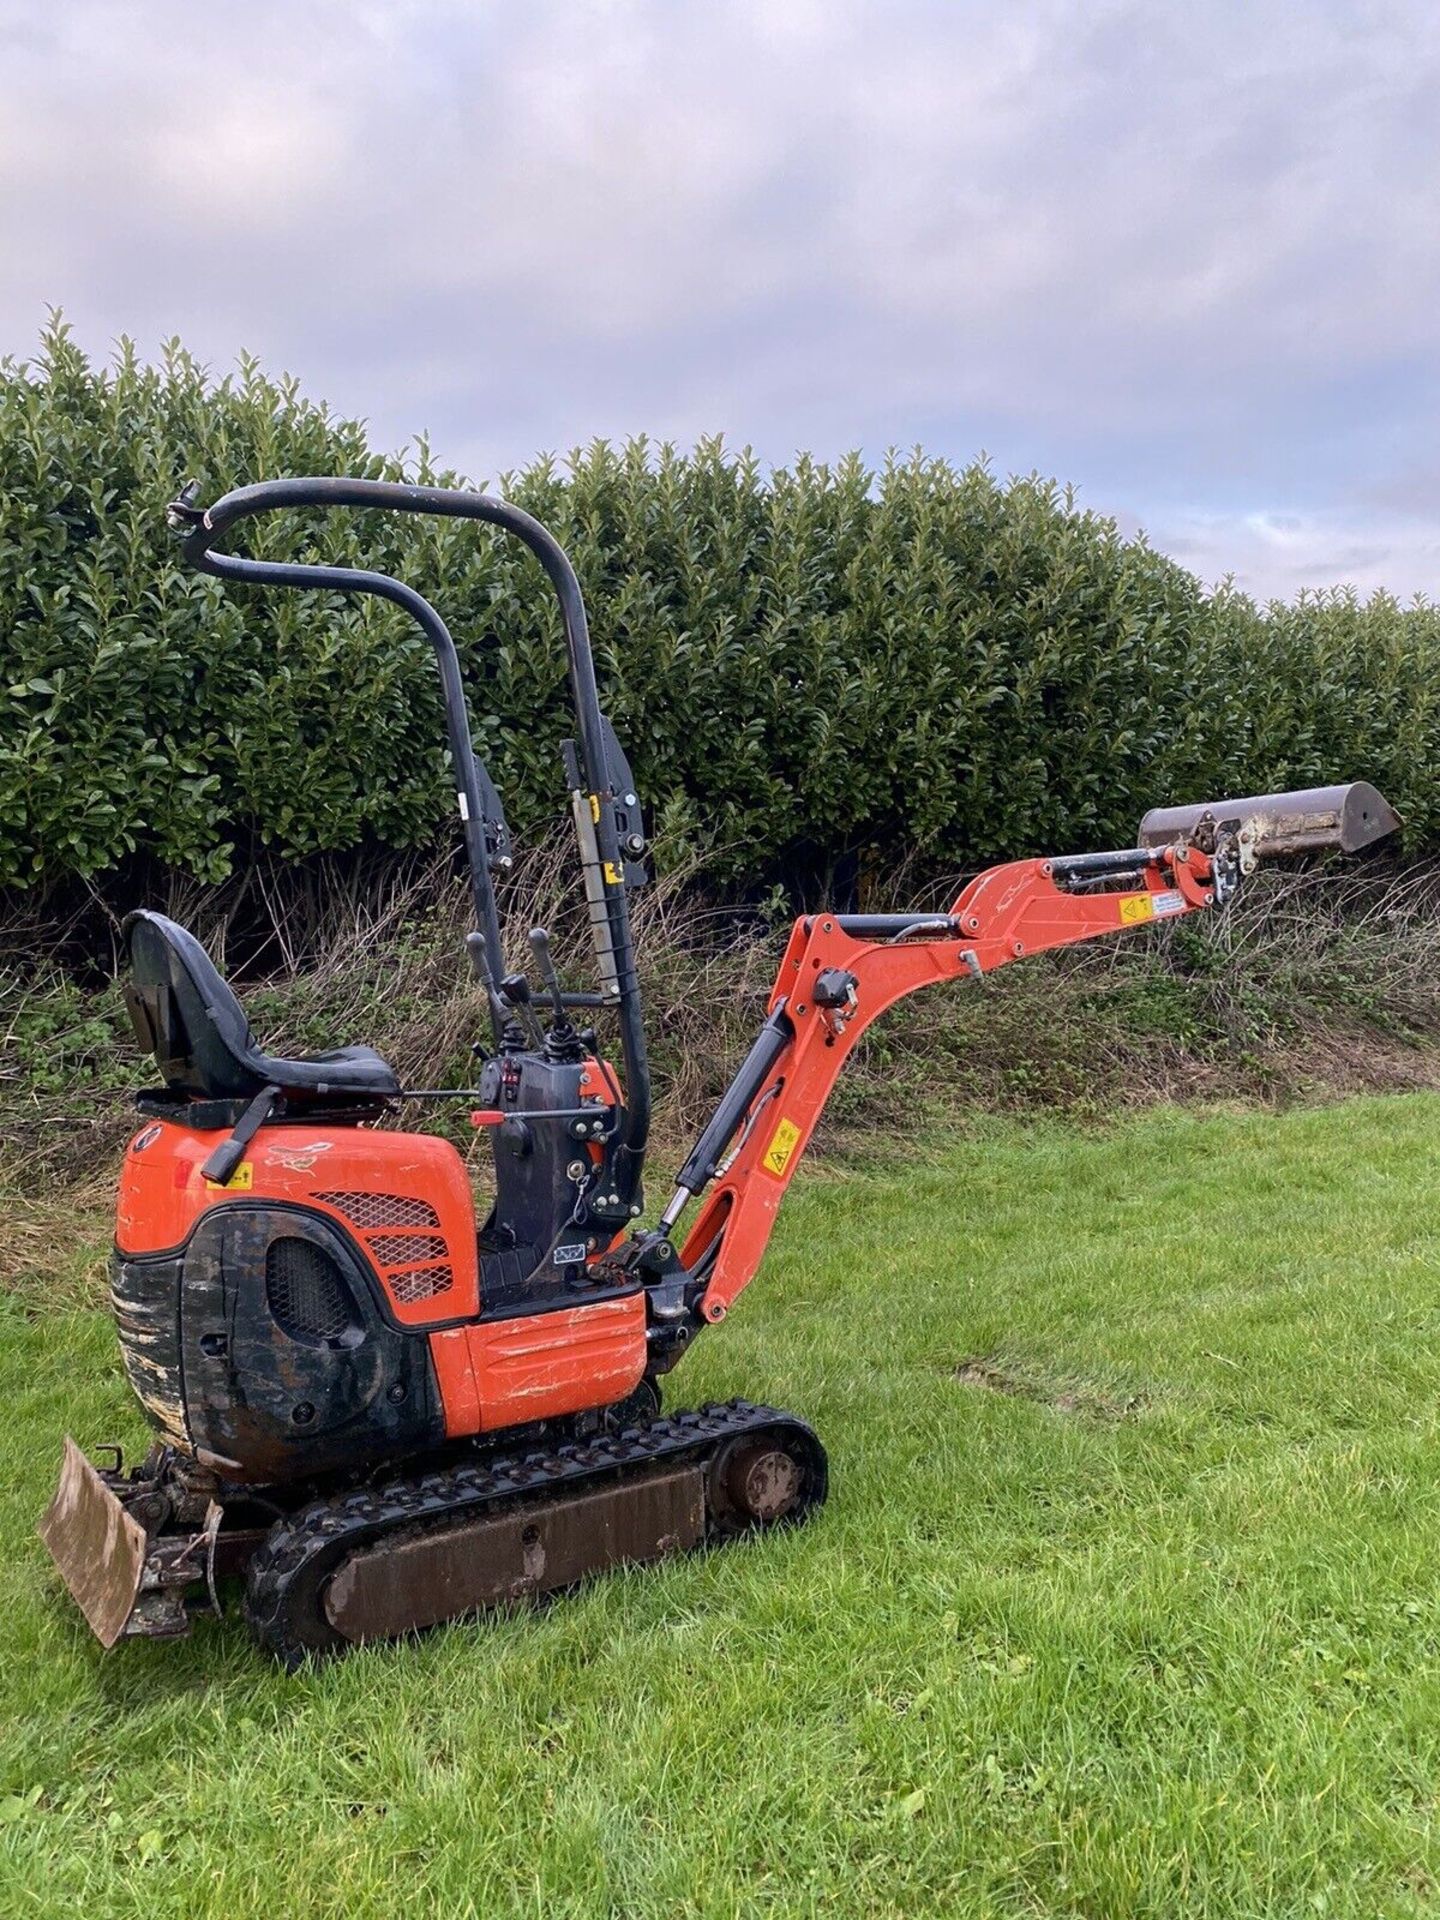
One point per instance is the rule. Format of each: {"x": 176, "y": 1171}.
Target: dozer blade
{"x": 1277, "y": 824}
{"x": 98, "y": 1548}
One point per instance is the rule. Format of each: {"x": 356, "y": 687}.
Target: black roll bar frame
{"x": 202, "y": 527}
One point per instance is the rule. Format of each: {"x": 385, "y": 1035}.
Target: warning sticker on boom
{"x": 781, "y": 1147}
{"x": 1135, "y": 907}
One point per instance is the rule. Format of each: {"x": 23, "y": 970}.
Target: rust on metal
{"x": 1347, "y": 817}
{"x": 99, "y": 1549}
{"x": 517, "y": 1555}
{"x": 753, "y": 1482}
{"x": 762, "y": 1480}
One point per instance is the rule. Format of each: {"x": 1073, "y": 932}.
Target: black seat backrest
{"x": 184, "y": 1013}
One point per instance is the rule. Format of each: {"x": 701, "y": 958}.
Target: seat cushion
{"x": 187, "y": 1016}
{"x": 348, "y": 1069}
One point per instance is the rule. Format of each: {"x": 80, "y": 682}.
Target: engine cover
{"x": 277, "y": 1325}
{"x": 263, "y": 1347}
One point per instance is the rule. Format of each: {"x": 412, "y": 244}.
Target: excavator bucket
{"x": 1274, "y": 825}
{"x": 99, "y": 1549}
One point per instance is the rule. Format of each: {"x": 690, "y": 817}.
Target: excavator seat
{"x": 185, "y": 1015}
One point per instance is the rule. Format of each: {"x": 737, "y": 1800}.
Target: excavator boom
{"x": 840, "y": 972}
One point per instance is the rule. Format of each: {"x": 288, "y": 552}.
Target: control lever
{"x": 540, "y": 946}
{"x": 219, "y": 1167}
{"x": 562, "y": 1042}
{"x": 509, "y": 998}
{"x": 503, "y": 1004}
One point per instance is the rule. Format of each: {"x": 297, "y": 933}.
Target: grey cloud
{"x": 1183, "y": 254}
{"x": 1279, "y": 555}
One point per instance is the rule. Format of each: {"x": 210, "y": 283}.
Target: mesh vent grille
{"x": 372, "y": 1211}
{"x": 381, "y": 1209}
{"x": 405, "y": 1249}
{"x": 307, "y": 1295}
{"x": 421, "y": 1283}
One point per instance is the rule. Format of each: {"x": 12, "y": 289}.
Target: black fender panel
{"x": 263, "y": 1345}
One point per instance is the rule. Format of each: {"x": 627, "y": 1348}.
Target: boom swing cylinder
{"x": 379, "y": 1411}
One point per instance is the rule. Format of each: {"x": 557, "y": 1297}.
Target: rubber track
{"x": 359, "y": 1517}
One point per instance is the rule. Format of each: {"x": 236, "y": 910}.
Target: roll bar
{"x": 486, "y": 842}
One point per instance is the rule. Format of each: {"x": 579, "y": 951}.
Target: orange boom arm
{"x": 840, "y": 972}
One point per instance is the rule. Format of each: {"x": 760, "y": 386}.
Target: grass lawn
{"x": 1125, "y": 1601}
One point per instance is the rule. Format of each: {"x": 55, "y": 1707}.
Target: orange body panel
{"x": 538, "y": 1366}
{"x": 404, "y": 1198}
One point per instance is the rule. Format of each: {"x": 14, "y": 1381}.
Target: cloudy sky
{"x": 1186, "y": 256}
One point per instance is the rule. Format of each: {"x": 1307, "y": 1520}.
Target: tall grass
{"x": 1311, "y": 984}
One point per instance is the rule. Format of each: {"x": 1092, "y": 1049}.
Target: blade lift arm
{"x": 839, "y": 973}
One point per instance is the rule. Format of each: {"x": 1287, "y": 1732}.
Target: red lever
{"x": 486, "y": 1117}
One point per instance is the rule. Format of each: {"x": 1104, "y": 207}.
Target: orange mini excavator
{"x": 381, "y": 1411}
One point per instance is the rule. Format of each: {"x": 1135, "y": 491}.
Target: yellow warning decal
{"x": 241, "y": 1181}
{"x": 613, "y": 875}
{"x": 1136, "y": 907}
{"x": 782, "y": 1145}
{"x": 595, "y": 808}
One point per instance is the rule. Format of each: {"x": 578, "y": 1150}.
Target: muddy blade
{"x": 98, "y": 1548}
{"x": 1348, "y": 817}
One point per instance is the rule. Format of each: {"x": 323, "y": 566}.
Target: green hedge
{"x": 815, "y": 663}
